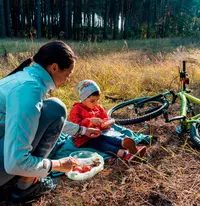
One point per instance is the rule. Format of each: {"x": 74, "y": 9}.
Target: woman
{"x": 30, "y": 124}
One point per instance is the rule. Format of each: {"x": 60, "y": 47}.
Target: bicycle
{"x": 146, "y": 108}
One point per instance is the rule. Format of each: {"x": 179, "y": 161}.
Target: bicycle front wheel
{"x": 195, "y": 134}
{"x": 138, "y": 110}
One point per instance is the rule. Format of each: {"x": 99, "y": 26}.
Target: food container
{"x": 86, "y": 158}
{"x": 83, "y": 157}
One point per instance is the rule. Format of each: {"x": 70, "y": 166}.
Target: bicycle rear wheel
{"x": 195, "y": 134}
{"x": 138, "y": 110}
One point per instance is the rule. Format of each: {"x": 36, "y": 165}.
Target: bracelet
{"x": 50, "y": 167}
{"x": 79, "y": 131}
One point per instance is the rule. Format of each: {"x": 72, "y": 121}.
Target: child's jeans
{"x": 105, "y": 144}
{"x": 51, "y": 122}
{"x": 114, "y": 144}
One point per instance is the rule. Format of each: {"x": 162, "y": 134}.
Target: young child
{"x": 89, "y": 113}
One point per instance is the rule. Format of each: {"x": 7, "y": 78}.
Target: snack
{"x": 78, "y": 169}
{"x": 86, "y": 168}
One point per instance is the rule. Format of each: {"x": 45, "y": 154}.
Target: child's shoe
{"x": 128, "y": 157}
{"x": 141, "y": 151}
{"x": 129, "y": 144}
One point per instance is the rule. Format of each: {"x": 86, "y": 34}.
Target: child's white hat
{"x": 86, "y": 88}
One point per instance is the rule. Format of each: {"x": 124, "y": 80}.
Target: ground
{"x": 170, "y": 175}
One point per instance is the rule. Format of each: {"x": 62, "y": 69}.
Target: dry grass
{"x": 170, "y": 175}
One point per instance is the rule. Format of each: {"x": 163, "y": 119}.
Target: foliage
{"x": 96, "y": 20}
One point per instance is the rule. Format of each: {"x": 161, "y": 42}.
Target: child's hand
{"x": 92, "y": 132}
{"x": 96, "y": 121}
{"x": 107, "y": 123}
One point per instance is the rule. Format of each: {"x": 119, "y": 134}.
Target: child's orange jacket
{"x": 81, "y": 114}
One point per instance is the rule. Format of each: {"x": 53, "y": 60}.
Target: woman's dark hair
{"x": 52, "y": 52}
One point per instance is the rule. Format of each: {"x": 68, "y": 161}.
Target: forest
{"x": 97, "y": 20}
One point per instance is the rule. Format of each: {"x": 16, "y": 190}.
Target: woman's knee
{"x": 55, "y": 107}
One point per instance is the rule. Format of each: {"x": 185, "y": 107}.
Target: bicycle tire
{"x": 195, "y": 134}
{"x": 155, "y": 112}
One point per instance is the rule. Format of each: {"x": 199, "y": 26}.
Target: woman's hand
{"x": 96, "y": 121}
{"x": 65, "y": 164}
{"x": 92, "y": 132}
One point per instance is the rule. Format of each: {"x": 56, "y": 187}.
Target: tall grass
{"x": 138, "y": 69}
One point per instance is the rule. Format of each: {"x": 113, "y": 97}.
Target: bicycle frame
{"x": 142, "y": 112}
{"x": 185, "y": 99}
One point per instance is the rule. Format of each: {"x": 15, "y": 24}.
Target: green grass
{"x": 85, "y": 48}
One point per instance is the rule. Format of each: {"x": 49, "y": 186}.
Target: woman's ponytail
{"x": 52, "y": 52}
{"x": 25, "y": 63}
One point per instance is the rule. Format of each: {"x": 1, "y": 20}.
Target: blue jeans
{"x": 51, "y": 122}
{"x": 105, "y": 144}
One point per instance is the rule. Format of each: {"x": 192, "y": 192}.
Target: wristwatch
{"x": 81, "y": 130}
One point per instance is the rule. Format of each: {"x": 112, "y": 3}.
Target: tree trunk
{"x": 93, "y": 23}
{"x": 115, "y": 18}
{"x": 61, "y": 13}
{"x": 79, "y": 19}
{"x": 22, "y": 14}
{"x": 2, "y": 20}
{"x": 122, "y": 16}
{"x": 88, "y": 21}
{"x": 45, "y": 13}
{"x": 32, "y": 12}
{"x": 84, "y": 19}
{"x": 69, "y": 19}
{"x": 66, "y": 18}
{"x": 126, "y": 22}
{"x": 38, "y": 18}
{"x": 105, "y": 30}
{"x": 75, "y": 20}
{"x": 52, "y": 18}
{"x": 48, "y": 7}
{"x": 8, "y": 18}
{"x": 149, "y": 19}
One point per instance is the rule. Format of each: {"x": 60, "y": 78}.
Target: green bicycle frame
{"x": 184, "y": 97}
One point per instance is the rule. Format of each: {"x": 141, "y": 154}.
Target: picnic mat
{"x": 65, "y": 146}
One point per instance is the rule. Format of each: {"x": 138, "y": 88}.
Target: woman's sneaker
{"x": 34, "y": 191}
{"x": 129, "y": 144}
